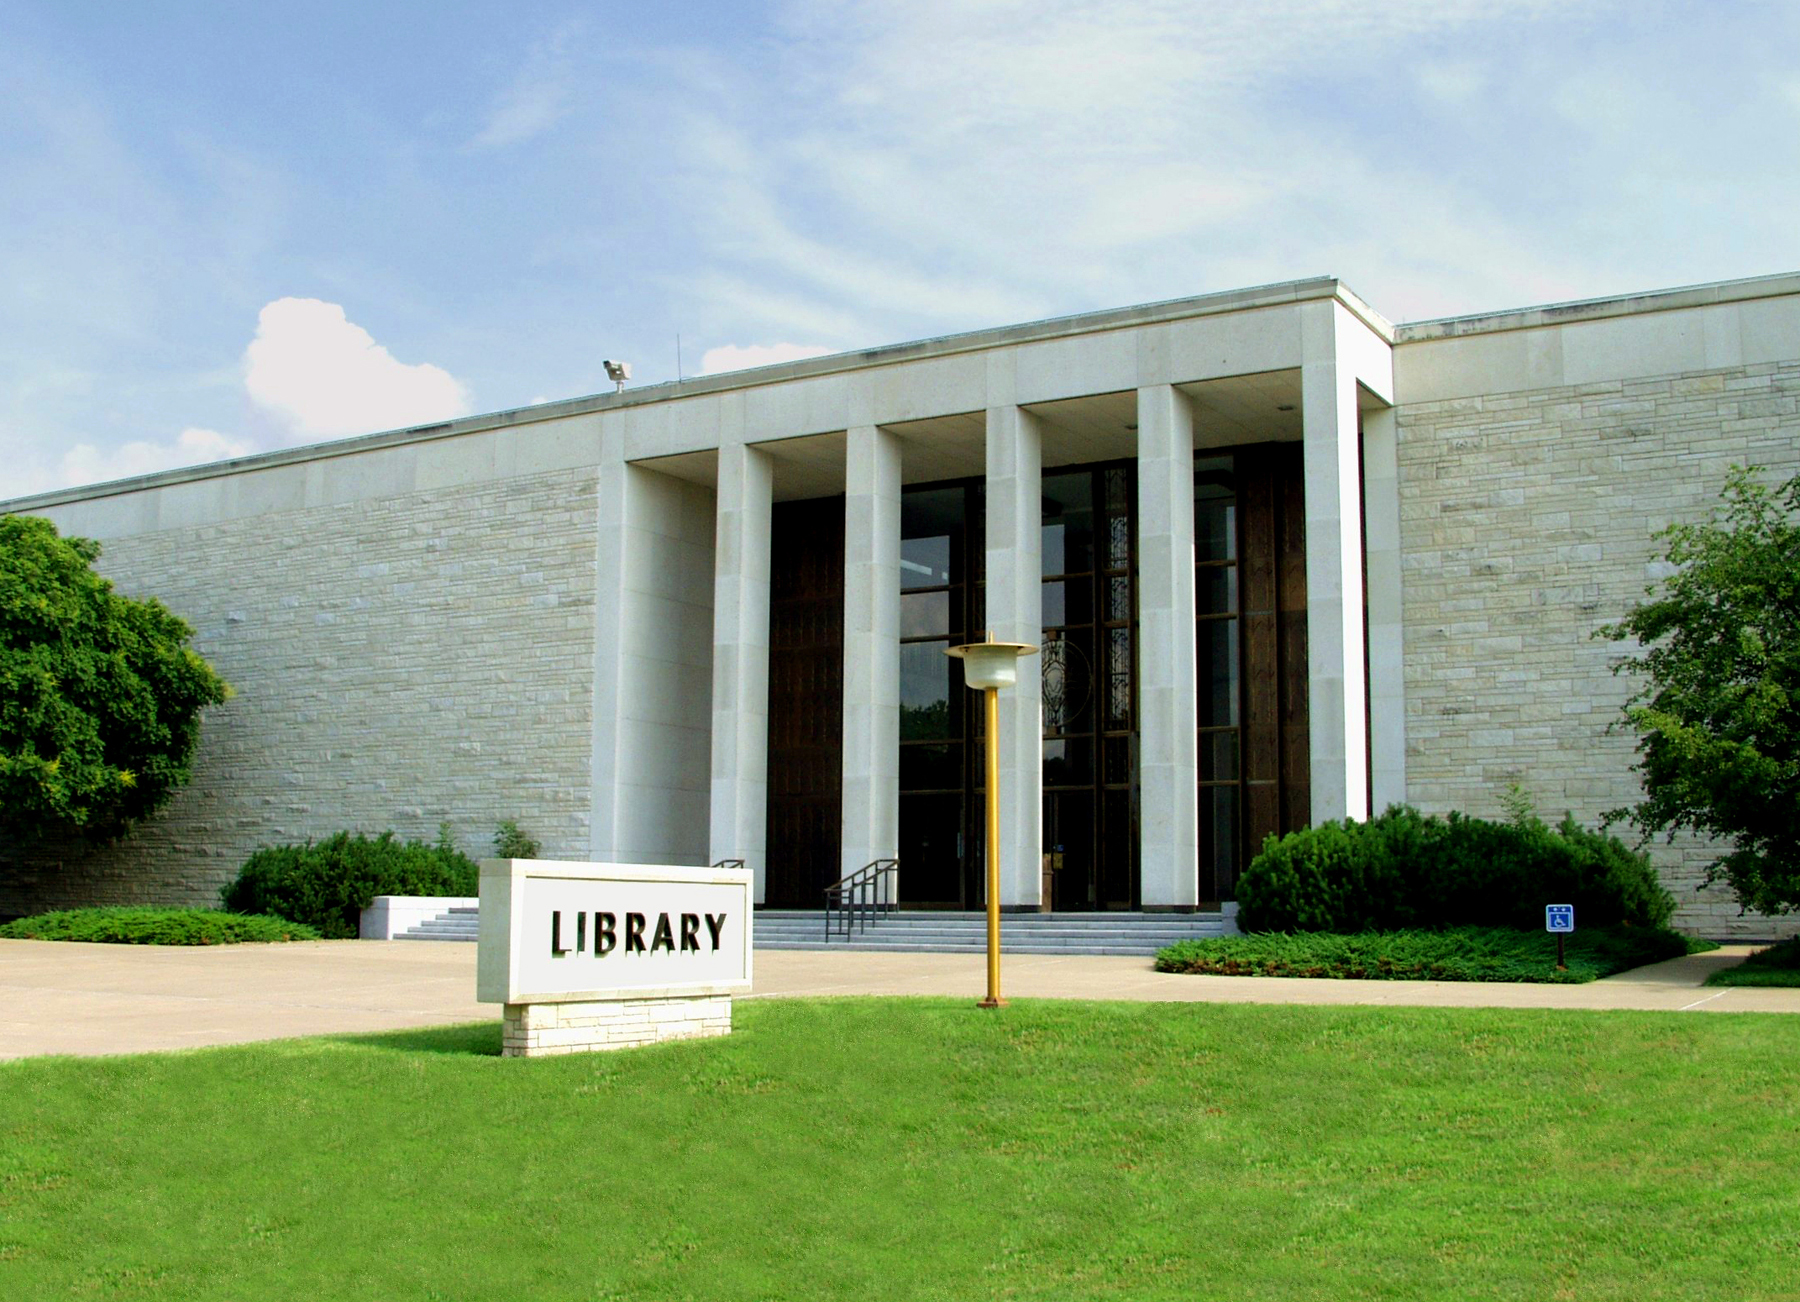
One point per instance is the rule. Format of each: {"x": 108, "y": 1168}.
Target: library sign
{"x": 594, "y": 956}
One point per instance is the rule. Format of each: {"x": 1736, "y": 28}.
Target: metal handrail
{"x": 729, "y": 863}
{"x": 861, "y": 896}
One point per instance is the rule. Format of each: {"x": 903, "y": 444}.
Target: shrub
{"x": 1403, "y": 869}
{"x": 1457, "y": 954}
{"x": 327, "y": 884}
{"x": 150, "y": 926}
{"x": 511, "y": 843}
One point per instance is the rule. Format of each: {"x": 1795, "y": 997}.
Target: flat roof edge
{"x": 1710, "y": 294}
{"x": 1119, "y": 318}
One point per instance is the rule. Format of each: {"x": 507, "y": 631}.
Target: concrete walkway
{"x": 93, "y": 999}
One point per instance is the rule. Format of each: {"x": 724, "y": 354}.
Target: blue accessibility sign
{"x": 1559, "y": 917}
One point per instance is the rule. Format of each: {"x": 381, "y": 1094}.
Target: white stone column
{"x": 1387, "y": 675}
{"x": 609, "y": 652}
{"x": 740, "y": 695}
{"x": 1331, "y": 461}
{"x": 871, "y": 793}
{"x": 1168, "y": 818}
{"x": 1015, "y": 613}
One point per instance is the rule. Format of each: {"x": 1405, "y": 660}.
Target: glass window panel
{"x": 1114, "y": 875}
{"x": 1118, "y": 760}
{"x": 1053, "y": 605}
{"x": 1219, "y": 840}
{"x": 1216, "y": 657}
{"x": 1078, "y": 602}
{"x": 924, "y": 562}
{"x": 1067, "y": 682}
{"x": 927, "y": 767}
{"x": 930, "y": 692}
{"x": 1068, "y": 761}
{"x": 1118, "y": 678}
{"x": 1219, "y": 756}
{"x": 1069, "y": 848}
{"x": 1118, "y": 543}
{"x": 1118, "y": 487}
{"x": 1215, "y": 590}
{"x": 1118, "y": 597}
{"x": 923, "y": 614}
{"x": 1068, "y": 520}
{"x": 931, "y": 848}
{"x": 1214, "y": 477}
{"x": 1215, "y": 530}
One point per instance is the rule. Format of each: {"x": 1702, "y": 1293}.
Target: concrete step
{"x": 932, "y": 931}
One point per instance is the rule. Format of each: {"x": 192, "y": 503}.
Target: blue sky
{"x": 230, "y": 228}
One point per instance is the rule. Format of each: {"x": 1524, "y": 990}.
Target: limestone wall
{"x": 398, "y": 661}
{"x": 1526, "y": 523}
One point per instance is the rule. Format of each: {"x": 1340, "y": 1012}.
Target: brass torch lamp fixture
{"x": 987, "y": 667}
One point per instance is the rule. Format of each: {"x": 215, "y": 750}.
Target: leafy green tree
{"x": 100, "y": 695}
{"x": 1719, "y": 706}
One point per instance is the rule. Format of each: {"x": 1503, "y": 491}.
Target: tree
{"x": 100, "y": 695}
{"x": 1719, "y": 707}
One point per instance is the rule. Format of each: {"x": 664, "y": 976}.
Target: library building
{"x": 1279, "y": 561}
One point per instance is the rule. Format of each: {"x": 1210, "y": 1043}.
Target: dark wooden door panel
{"x": 806, "y": 700}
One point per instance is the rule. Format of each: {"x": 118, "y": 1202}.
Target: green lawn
{"x": 893, "y": 1149}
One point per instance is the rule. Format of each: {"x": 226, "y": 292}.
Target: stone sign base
{"x": 538, "y": 1030}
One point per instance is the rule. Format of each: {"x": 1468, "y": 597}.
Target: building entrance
{"x": 1089, "y": 692}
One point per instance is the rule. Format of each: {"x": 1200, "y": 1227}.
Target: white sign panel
{"x": 559, "y": 932}
{"x": 1559, "y": 917}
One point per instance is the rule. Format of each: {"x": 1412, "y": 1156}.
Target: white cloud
{"x": 538, "y": 98}
{"x": 937, "y": 164}
{"x": 741, "y": 357}
{"x": 87, "y": 464}
{"x": 325, "y": 377}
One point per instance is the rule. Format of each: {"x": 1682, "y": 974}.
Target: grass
{"x": 1779, "y": 965}
{"x": 1455, "y": 954}
{"x": 153, "y": 926}
{"x": 923, "y": 1149}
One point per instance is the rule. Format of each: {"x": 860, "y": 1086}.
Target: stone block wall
{"x": 1526, "y": 523}
{"x": 397, "y": 661}
{"x": 543, "y": 1030}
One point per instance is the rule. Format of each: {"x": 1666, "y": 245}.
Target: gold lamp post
{"x": 987, "y": 667}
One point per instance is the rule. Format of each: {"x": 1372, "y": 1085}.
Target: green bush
{"x": 150, "y": 926}
{"x": 511, "y": 843}
{"x": 327, "y": 884}
{"x": 1405, "y": 870}
{"x": 1456, "y": 954}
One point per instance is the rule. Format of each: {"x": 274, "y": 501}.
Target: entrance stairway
{"x": 931, "y": 931}
{"x": 454, "y": 924}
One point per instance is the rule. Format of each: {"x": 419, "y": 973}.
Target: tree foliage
{"x": 100, "y": 695}
{"x": 1718, "y": 709}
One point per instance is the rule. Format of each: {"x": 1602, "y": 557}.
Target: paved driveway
{"x": 90, "y": 999}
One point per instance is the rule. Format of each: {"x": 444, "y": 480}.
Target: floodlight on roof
{"x": 618, "y": 373}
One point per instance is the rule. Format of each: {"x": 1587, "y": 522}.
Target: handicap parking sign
{"x": 1559, "y": 917}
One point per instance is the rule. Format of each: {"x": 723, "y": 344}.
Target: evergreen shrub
{"x": 153, "y": 926}
{"x": 1404, "y": 870}
{"x": 327, "y": 884}
{"x": 1454, "y": 954}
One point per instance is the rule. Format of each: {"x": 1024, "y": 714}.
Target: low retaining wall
{"x": 389, "y": 915}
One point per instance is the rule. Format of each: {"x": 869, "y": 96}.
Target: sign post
{"x": 588, "y": 956}
{"x": 1559, "y": 920}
